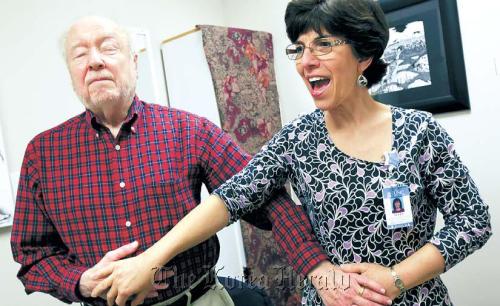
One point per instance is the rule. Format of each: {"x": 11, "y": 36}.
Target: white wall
{"x": 35, "y": 89}
{"x": 36, "y": 94}
{"x": 476, "y": 132}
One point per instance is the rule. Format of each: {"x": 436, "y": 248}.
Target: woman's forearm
{"x": 423, "y": 265}
{"x": 210, "y": 216}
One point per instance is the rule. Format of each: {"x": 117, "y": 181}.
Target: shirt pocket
{"x": 169, "y": 201}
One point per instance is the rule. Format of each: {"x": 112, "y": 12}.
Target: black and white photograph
{"x": 408, "y": 61}
{"x": 6, "y": 199}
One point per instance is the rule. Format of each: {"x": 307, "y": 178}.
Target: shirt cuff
{"x": 307, "y": 257}
{"x": 71, "y": 283}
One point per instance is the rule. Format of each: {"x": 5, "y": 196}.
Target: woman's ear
{"x": 363, "y": 64}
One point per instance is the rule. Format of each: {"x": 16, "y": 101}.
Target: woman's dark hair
{"x": 394, "y": 202}
{"x": 360, "y": 21}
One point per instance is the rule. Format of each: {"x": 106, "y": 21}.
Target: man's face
{"x": 101, "y": 66}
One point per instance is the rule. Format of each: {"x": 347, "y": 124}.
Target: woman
{"x": 396, "y": 206}
{"x": 347, "y": 162}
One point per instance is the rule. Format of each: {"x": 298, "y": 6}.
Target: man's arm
{"x": 36, "y": 245}
{"x": 293, "y": 232}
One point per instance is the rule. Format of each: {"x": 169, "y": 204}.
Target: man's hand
{"x": 376, "y": 272}
{"x": 336, "y": 287}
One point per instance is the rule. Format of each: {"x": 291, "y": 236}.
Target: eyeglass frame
{"x": 335, "y": 43}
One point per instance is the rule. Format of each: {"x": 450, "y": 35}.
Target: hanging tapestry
{"x": 241, "y": 64}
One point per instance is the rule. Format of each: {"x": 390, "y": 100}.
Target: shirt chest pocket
{"x": 167, "y": 202}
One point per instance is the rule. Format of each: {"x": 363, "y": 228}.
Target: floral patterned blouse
{"x": 342, "y": 196}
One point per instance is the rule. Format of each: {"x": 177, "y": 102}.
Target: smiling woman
{"x": 335, "y": 159}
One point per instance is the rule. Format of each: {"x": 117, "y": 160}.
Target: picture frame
{"x": 426, "y": 67}
{"x": 6, "y": 192}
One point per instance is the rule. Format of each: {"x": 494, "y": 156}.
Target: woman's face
{"x": 330, "y": 78}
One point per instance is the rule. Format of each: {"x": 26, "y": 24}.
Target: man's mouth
{"x": 318, "y": 85}
{"x": 99, "y": 80}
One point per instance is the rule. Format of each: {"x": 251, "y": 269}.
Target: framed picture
{"x": 426, "y": 66}
{"x": 6, "y": 196}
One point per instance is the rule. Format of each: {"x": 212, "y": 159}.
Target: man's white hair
{"x": 120, "y": 29}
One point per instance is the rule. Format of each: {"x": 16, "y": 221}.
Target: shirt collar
{"x": 128, "y": 124}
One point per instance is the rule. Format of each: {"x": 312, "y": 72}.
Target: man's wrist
{"x": 323, "y": 274}
{"x": 79, "y": 293}
{"x": 320, "y": 268}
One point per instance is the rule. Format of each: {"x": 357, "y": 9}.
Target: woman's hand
{"x": 339, "y": 288}
{"x": 126, "y": 278}
{"x": 89, "y": 279}
{"x": 378, "y": 273}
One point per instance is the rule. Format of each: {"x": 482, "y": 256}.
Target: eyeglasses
{"x": 319, "y": 46}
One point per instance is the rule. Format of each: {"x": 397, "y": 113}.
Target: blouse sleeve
{"x": 264, "y": 175}
{"x": 450, "y": 186}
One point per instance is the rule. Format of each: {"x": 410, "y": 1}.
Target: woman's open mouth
{"x": 318, "y": 85}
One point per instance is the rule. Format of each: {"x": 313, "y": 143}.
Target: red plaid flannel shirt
{"x": 83, "y": 193}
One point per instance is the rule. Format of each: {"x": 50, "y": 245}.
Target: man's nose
{"x": 95, "y": 60}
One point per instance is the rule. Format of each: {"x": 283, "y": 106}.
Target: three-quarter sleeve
{"x": 262, "y": 182}
{"x": 449, "y": 184}
{"x": 254, "y": 185}
{"x": 220, "y": 158}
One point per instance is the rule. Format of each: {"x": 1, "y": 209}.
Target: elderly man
{"x": 116, "y": 178}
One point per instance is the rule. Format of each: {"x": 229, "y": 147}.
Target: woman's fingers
{"x": 360, "y": 297}
{"x": 122, "y": 297}
{"x": 373, "y": 296}
{"x": 139, "y": 299}
{"x": 104, "y": 271}
{"x": 120, "y": 252}
{"x": 160, "y": 278}
{"x": 370, "y": 284}
{"x": 111, "y": 295}
{"x": 160, "y": 286}
{"x": 153, "y": 293}
{"x": 368, "y": 291}
{"x": 102, "y": 286}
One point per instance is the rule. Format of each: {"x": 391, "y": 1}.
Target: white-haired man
{"x": 113, "y": 180}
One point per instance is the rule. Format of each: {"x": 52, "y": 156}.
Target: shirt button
{"x": 132, "y": 129}
{"x": 128, "y": 223}
{"x": 97, "y": 135}
{"x": 122, "y": 184}
{"x": 117, "y": 147}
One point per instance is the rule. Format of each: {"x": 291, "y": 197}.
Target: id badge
{"x": 397, "y": 206}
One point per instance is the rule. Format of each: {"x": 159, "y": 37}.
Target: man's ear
{"x": 135, "y": 65}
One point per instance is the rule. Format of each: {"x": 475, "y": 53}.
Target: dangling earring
{"x": 362, "y": 81}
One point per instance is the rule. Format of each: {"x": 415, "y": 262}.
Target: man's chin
{"x": 103, "y": 98}
{"x": 99, "y": 98}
